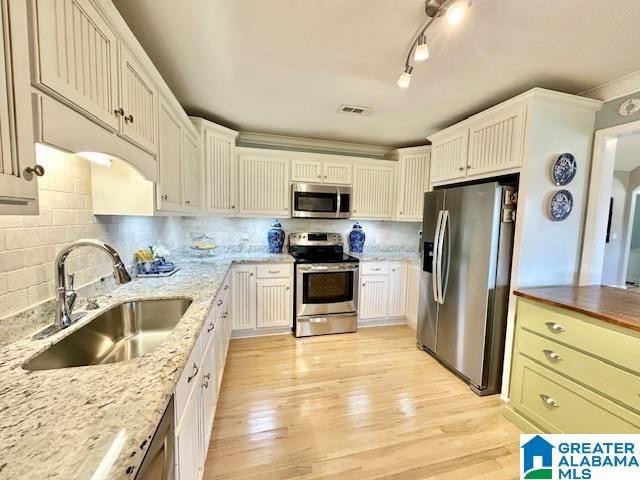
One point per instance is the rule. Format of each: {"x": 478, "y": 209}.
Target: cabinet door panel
{"x": 139, "y": 100}
{"x": 221, "y": 172}
{"x": 77, "y": 56}
{"x": 306, "y": 170}
{"x": 374, "y": 294}
{"x": 191, "y": 173}
{"x": 189, "y": 438}
{"x": 496, "y": 144}
{"x": 414, "y": 172}
{"x": 273, "y": 305}
{"x": 397, "y": 290}
{"x": 339, "y": 173}
{"x": 169, "y": 187}
{"x": 243, "y": 298}
{"x": 209, "y": 388}
{"x": 264, "y": 185}
{"x": 373, "y": 192}
{"x": 449, "y": 157}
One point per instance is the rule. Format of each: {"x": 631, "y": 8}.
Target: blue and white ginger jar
{"x": 356, "y": 239}
{"x": 275, "y": 237}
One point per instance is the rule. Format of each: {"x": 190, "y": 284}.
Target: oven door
{"x": 326, "y": 288}
{"x": 320, "y": 201}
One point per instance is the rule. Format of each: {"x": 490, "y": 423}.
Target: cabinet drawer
{"x": 281, "y": 270}
{"x": 187, "y": 381}
{"x": 608, "y": 342}
{"x": 374, "y": 268}
{"x": 559, "y": 405}
{"x": 611, "y": 381}
{"x": 220, "y": 307}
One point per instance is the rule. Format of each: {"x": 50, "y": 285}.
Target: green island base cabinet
{"x": 572, "y": 373}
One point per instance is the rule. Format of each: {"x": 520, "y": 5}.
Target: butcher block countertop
{"x": 617, "y": 306}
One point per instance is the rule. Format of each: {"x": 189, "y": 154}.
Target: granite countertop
{"x": 618, "y": 306}
{"x": 387, "y": 256}
{"x": 90, "y": 422}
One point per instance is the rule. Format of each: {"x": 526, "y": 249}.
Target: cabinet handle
{"x": 354, "y": 211}
{"x": 128, "y": 118}
{"x": 401, "y": 213}
{"x": 319, "y": 176}
{"x": 118, "y": 112}
{"x": 220, "y": 302}
{"x": 164, "y": 197}
{"x": 555, "y": 327}
{"x": 551, "y": 355}
{"x": 195, "y": 372}
{"x": 210, "y": 327}
{"x": 325, "y": 176}
{"x": 549, "y": 401}
{"x": 29, "y": 172}
{"x": 187, "y": 202}
{"x": 226, "y": 287}
{"x": 375, "y": 269}
{"x": 468, "y": 167}
{"x": 461, "y": 169}
{"x": 205, "y": 384}
{"x": 272, "y": 272}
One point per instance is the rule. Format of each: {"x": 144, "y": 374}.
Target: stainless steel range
{"x": 326, "y": 284}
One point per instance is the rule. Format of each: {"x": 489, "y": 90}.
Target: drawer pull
{"x": 375, "y": 269}
{"x": 226, "y": 287}
{"x": 210, "y": 327}
{"x": 206, "y": 378}
{"x": 220, "y": 302}
{"x": 273, "y": 272}
{"x": 555, "y": 327}
{"x": 549, "y": 401}
{"x": 195, "y": 372}
{"x": 551, "y": 355}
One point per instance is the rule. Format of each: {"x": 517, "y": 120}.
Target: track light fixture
{"x": 455, "y": 11}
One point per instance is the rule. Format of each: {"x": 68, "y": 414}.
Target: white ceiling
{"x": 628, "y": 153}
{"x": 284, "y": 66}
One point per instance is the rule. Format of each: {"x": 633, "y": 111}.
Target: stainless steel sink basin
{"x": 125, "y": 331}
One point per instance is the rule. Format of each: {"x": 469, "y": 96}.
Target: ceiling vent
{"x": 355, "y": 110}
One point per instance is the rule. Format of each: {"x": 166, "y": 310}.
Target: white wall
{"x": 614, "y": 250}
{"x": 28, "y": 244}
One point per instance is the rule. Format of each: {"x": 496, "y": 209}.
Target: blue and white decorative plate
{"x": 564, "y": 169}
{"x": 561, "y": 205}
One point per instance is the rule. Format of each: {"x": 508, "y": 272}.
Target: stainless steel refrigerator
{"x": 467, "y": 242}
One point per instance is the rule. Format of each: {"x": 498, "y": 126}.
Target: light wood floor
{"x": 367, "y": 405}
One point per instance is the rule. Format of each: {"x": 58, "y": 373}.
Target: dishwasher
{"x": 159, "y": 461}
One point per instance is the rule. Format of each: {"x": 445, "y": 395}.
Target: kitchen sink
{"x": 125, "y": 331}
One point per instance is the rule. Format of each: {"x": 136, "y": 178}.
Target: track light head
{"x": 422, "y": 49}
{"x": 405, "y": 78}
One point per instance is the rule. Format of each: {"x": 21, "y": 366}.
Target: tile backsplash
{"x": 28, "y": 244}
{"x": 251, "y": 233}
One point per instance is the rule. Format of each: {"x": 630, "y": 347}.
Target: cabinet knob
{"x": 325, "y": 176}
{"x": 251, "y": 274}
{"x": 364, "y": 284}
{"x": 187, "y": 202}
{"x": 555, "y": 327}
{"x": 29, "y": 172}
{"x": 128, "y": 118}
{"x": 468, "y": 166}
{"x": 551, "y": 355}
{"x": 233, "y": 206}
{"x": 461, "y": 169}
{"x": 164, "y": 197}
{"x": 319, "y": 176}
{"x": 118, "y": 112}
{"x": 549, "y": 400}
{"x": 401, "y": 213}
{"x": 285, "y": 209}
{"x": 288, "y": 288}
{"x": 210, "y": 327}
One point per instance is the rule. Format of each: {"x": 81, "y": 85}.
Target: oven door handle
{"x": 325, "y": 268}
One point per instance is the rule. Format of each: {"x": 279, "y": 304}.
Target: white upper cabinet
{"x": 169, "y": 186}
{"x": 138, "y": 99}
{"x": 373, "y": 190}
{"x": 220, "y": 167}
{"x": 339, "y": 173}
{"x": 496, "y": 143}
{"x": 18, "y": 177}
{"x": 191, "y": 173}
{"x": 77, "y": 57}
{"x": 413, "y": 182}
{"x": 306, "y": 170}
{"x": 264, "y": 185}
{"x": 449, "y": 156}
{"x": 313, "y": 168}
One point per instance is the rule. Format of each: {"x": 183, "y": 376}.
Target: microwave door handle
{"x": 434, "y": 260}
{"x": 338, "y": 200}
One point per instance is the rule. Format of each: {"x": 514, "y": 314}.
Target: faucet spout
{"x": 64, "y": 291}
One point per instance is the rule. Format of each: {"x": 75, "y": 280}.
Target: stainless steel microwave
{"x": 320, "y": 201}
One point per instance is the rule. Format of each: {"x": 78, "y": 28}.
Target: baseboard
{"x": 381, "y": 322}
{"x": 519, "y": 421}
{"x": 263, "y": 332}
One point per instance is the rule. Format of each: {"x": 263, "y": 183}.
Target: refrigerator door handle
{"x": 446, "y": 229}
{"x": 435, "y": 262}
{"x": 438, "y": 256}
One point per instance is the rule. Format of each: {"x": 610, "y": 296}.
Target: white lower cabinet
{"x": 262, "y": 296}
{"x": 385, "y": 292}
{"x": 196, "y": 393}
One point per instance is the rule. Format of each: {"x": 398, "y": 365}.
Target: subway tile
{"x": 13, "y": 302}
{"x": 21, "y": 238}
{"x": 11, "y": 260}
{"x": 64, "y": 217}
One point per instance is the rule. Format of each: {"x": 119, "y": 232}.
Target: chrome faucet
{"x": 65, "y": 293}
